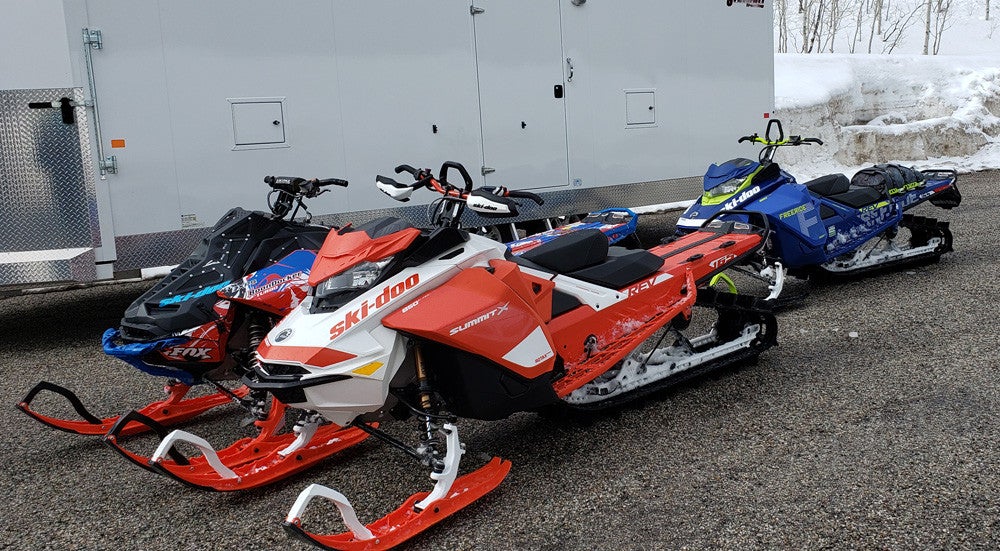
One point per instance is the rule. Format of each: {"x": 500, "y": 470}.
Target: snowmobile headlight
{"x": 728, "y": 187}
{"x": 358, "y": 278}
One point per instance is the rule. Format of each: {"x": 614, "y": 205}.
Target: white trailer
{"x": 166, "y": 114}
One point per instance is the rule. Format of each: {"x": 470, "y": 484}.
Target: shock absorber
{"x": 423, "y": 386}
{"x": 257, "y": 329}
{"x": 428, "y": 447}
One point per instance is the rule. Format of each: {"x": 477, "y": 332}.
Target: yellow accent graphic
{"x": 793, "y": 212}
{"x": 368, "y": 369}
{"x": 906, "y": 187}
{"x": 876, "y": 206}
{"x": 708, "y": 200}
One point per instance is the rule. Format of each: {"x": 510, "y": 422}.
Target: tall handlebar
{"x": 443, "y": 175}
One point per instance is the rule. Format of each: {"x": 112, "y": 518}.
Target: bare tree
{"x": 941, "y": 20}
{"x": 781, "y": 9}
{"x": 896, "y": 24}
{"x": 812, "y": 24}
{"x": 927, "y": 26}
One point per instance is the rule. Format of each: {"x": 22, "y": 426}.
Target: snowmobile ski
{"x": 248, "y": 462}
{"x": 418, "y": 513}
{"x": 169, "y": 411}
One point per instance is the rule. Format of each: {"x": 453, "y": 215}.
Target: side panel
{"x": 470, "y": 312}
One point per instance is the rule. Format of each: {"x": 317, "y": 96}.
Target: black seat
{"x": 623, "y": 267}
{"x": 858, "y": 197}
{"x": 571, "y": 252}
{"x": 829, "y": 185}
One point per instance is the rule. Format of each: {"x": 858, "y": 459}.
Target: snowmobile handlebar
{"x": 424, "y": 177}
{"x": 292, "y": 189}
{"x": 792, "y": 140}
{"x": 302, "y": 186}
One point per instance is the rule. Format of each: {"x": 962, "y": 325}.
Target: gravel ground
{"x": 887, "y": 440}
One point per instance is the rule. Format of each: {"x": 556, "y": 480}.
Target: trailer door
{"x": 520, "y": 66}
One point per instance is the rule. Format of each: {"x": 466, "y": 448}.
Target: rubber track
{"x": 927, "y": 228}
{"x": 752, "y": 309}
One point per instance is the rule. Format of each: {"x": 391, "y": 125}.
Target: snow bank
{"x": 914, "y": 109}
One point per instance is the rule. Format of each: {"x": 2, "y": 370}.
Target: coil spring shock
{"x": 429, "y": 446}
{"x": 257, "y": 329}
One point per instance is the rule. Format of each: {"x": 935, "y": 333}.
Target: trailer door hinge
{"x": 108, "y": 165}
{"x": 488, "y": 170}
{"x": 93, "y": 38}
{"x": 476, "y": 10}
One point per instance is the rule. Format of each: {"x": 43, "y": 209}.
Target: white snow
{"x": 938, "y": 111}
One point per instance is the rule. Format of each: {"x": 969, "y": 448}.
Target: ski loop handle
{"x": 160, "y": 430}
{"x": 65, "y": 393}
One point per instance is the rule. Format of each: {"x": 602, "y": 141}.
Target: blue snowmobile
{"x": 830, "y": 224}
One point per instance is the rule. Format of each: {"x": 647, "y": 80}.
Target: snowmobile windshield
{"x": 725, "y": 180}
{"x": 351, "y": 262}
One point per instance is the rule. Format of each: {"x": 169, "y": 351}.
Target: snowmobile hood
{"x": 736, "y": 168}
{"x": 241, "y": 242}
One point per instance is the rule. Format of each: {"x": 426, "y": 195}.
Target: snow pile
{"x": 941, "y": 111}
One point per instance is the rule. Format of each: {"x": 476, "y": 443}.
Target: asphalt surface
{"x": 889, "y": 439}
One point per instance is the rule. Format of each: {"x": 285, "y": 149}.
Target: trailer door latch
{"x": 64, "y": 105}
{"x": 476, "y": 10}
{"x": 488, "y": 170}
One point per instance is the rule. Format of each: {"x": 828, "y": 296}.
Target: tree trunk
{"x": 927, "y": 28}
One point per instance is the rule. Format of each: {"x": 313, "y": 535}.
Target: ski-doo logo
{"x": 195, "y": 294}
{"x": 389, "y": 292}
{"x": 190, "y": 354}
{"x": 480, "y": 319}
{"x": 731, "y": 204}
{"x": 722, "y": 260}
{"x": 647, "y": 284}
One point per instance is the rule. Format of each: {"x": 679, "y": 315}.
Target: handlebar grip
{"x": 526, "y": 195}
{"x": 332, "y": 182}
{"x": 406, "y": 168}
{"x": 812, "y": 140}
{"x": 443, "y": 176}
{"x": 284, "y": 183}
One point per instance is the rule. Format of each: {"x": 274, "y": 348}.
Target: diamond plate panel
{"x": 168, "y": 248}
{"x": 78, "y": 268}
{"x": 48, "y": 194}
{"x": 557, "y": 203}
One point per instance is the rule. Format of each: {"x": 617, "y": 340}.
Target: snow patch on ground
{"x": 928, "y": 111}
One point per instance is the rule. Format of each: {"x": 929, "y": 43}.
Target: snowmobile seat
{"x": 858, "y": 197}
{"x": 570, "y": 252}
{"x": 622, "y": 268}
{"x": 829, "y": 185}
